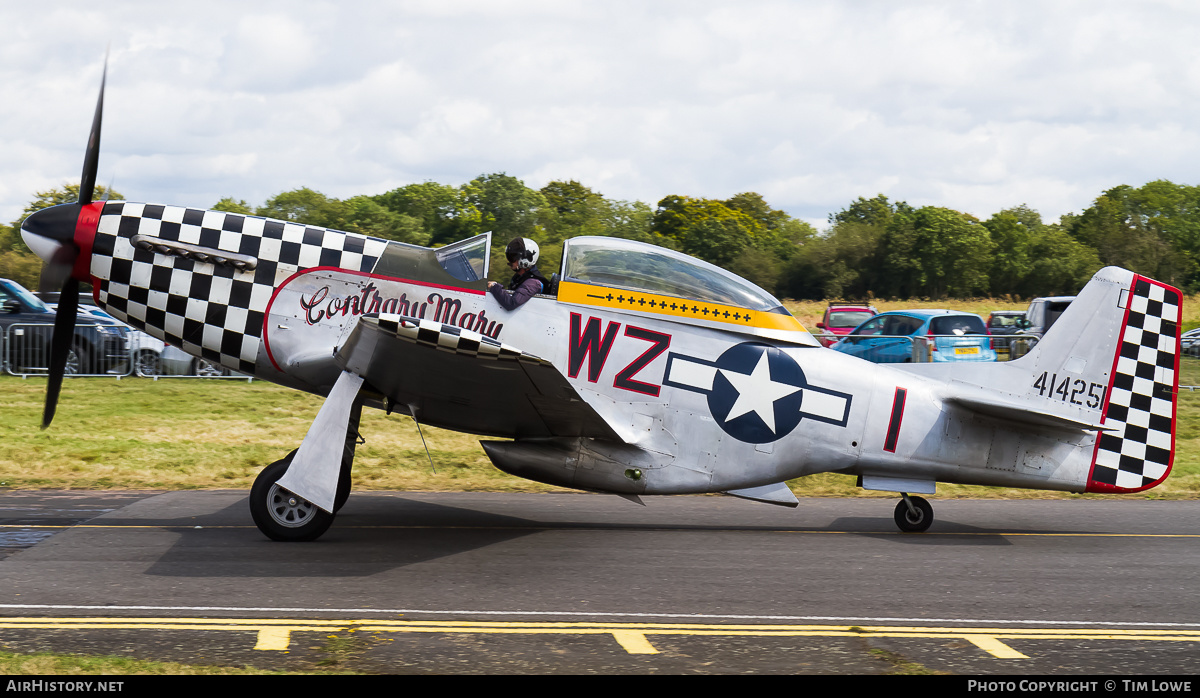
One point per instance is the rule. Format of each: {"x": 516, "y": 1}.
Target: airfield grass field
{"x": 137, "y": 433}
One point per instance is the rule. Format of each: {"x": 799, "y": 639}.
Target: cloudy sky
{"x": 976, "y": 106}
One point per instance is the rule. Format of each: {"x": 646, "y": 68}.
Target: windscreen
{"x": 628, "y": 264}
{"x": 848, "y": 318}
{"x": 957, "y": 324}
{"x": 31, "y": 300}
{"x": 466, "y": 260}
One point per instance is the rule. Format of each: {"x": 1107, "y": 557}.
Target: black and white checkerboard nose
{"x": 212, "y": 309}
{"x": 1136, "y": 453}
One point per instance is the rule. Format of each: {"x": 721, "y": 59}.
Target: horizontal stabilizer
{"x": 1024, "y": 414}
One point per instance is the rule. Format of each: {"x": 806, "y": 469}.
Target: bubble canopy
{"x": 619, "y": 263}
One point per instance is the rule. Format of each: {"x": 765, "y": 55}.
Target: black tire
{"x": 77, "y": 361}
{"x": 147, "y": 363}
{"x": 281, "y": 515}
{"x": 207, "y": 369}
{"x": 343, "y": 488}
{"x": 909, "y": 523}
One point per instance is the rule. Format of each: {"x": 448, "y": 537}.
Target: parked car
{"x": 154, "y": 357}
{"x": 1002, "y": 324}
{"x": 840, "y": 318}
{"x": 97, "y": 347}
{"x": 1043, "y": 312}
{"x": 901, "y": 336}
{"x": 1189, "y": 343}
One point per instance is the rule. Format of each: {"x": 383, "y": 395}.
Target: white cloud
{"x": 971, "y": 105}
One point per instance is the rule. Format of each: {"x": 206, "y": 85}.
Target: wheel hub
{"x": 287, "y": 509}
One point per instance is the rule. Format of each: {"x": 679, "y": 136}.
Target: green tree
{"x": 574, "y": 210}
{"x": 1153, "y": 230}
{"x": 231, "y": 205}
{"x": 444, "y": 213}
{"x": 705, "y": 228}
{"x": 1060, "y": 265}
{"x": 507, "y": 207}
{"x": 1015, "y": 233}
{"x": 366, "y": 216}
{"x": 632, "y": 220}
{"x": 306, "y": 206}
{"x": 68, "y": 194}
{"x": 874, "y": 211}
{"x": 847, "y": 261}
{"x": 935, "y": 252}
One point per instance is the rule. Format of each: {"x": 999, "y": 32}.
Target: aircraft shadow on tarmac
{"x": 954, "y": 534}
{"x": 376, "y": 534}
{"x": 369, "y": 536}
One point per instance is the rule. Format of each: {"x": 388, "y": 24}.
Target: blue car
{"x": 901, "y": 336}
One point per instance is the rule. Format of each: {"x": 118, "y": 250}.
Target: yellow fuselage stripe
{"x": 675, "y": 308}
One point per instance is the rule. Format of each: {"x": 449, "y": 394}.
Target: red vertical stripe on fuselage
{"x": 893, "y": 431}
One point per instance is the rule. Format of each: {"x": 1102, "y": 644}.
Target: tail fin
{"x": 1115, "y": 350}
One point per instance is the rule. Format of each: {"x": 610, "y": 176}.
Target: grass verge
{"x": 49, "y": 664}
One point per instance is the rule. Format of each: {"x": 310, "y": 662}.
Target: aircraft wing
{"x": 458, "y": 379}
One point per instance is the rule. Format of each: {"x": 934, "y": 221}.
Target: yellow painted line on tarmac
{"x": 994, "y": 647}
{"x": 275, "y": 634}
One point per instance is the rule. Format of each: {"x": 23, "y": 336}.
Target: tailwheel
{"x": 281, "y": 515}
{"x": 913, "y": 514}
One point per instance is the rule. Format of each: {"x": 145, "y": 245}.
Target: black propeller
{"x": 51, "y": 234}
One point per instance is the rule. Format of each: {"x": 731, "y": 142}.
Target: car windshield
{"x": 31, "y": 300}
{"x": 638, "y": 266}
{"x": 1003, "y": 320}
{"x": 957, "y": 324}
{"x": 848, "y": 318}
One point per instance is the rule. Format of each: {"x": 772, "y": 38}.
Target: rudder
{"x": 1137, "y": 452}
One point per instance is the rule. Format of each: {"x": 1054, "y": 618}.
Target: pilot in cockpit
{"x": 527, "y": 281}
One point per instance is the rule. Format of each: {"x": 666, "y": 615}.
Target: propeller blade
{"x": 50, "y": 233}
{"x": 91, "y": 159}
{"x": 60, "y": 345}
{"x": 57, "y": 269}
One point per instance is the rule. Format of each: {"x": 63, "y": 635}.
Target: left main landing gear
{"x": 281, "y": 515}
{"x": 913, "y": 514}
{"x": 284, "y": 516}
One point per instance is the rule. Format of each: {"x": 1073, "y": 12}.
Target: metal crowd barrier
{"x": 97, "y": 350}
{"x": 920, "y": 348}
{"x": 112, "y": 351}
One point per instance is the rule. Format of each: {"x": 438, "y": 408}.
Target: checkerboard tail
{"x": 1136, "y": 450}
{"x": 1111, "y": 360}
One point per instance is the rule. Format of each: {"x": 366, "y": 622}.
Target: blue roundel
{"x": 757, "y": 393}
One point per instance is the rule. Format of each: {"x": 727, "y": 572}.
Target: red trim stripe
{"x": 893, "y": 432}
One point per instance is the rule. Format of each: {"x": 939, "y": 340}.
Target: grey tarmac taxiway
{"x": 577, "y": 583}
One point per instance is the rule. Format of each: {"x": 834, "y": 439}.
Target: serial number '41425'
{"x": 1075, "y": 391}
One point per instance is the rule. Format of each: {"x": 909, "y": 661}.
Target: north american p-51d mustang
{"x": 642, "y": 371}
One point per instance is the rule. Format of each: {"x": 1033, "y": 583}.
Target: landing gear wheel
{"x": 914, "y": 523}
{"x": 343, "y": 488}
{"x": 281, "y": 515}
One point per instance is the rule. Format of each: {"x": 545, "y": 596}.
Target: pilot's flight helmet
{"x": 524, "y": 250}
